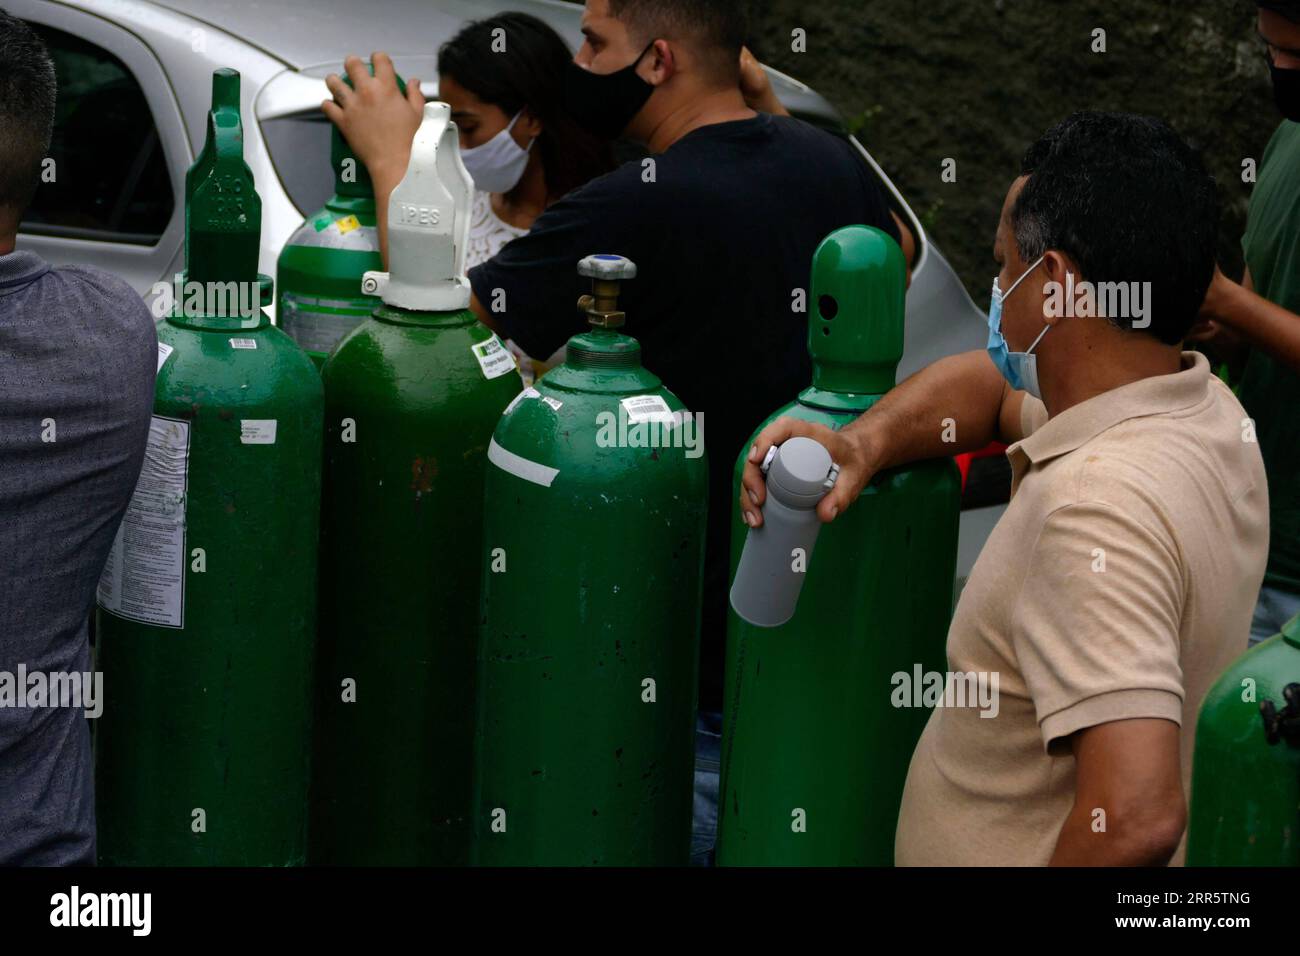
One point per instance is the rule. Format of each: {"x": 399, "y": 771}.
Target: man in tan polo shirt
{"x": 1121, "y": 579}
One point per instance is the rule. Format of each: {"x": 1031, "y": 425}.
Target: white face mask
{"x": 497, "y": 165}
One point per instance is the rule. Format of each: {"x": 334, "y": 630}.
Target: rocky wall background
{"x": 978, "y": 80}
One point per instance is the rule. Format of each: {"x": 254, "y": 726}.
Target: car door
{"x": 113, "y": 195}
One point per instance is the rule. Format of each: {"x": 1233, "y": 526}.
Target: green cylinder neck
{"x": 856, "y": 316}
{"x": 354, "y": 205}
{"x": 832, "y": 401}
{"x": 219, "y": 323}
{"x": 398, "y": 316}
{"x": 603, "y": 348}
{"x": 351, "y": 178}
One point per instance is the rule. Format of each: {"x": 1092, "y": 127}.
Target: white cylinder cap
{"x": 428, "y": 223}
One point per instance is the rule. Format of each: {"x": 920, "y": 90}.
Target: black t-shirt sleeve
{"x": 531, "y": 287}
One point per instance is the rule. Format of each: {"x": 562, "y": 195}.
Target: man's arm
{"x": 907, "y": 242}
{"x": 1260, "y": 322}
{"x": 757, "y": 88}
{"x": 960, "y": 403}
{"x": 1129, "y": 808}
{"x": 483, "y": 314}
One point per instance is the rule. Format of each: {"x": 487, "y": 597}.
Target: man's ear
{"x": 1057, "y": 265}
{"x": 662, "y": 60}
{"x": 1061, "y": 280}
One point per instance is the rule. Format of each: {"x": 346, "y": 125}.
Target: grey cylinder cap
{"x": 801, "y": 469}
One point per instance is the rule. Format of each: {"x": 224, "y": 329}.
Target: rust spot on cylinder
{"x": 423, "y": 471}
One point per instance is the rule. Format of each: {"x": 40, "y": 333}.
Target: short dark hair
{"x": 1128, "y": 200}
{"x": 529, "y": 73}
{"x": 719, "y": 26}
{"x": 27, "y": 92}
{"x": 1283, "y": 8}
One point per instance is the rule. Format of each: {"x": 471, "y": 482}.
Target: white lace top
{"x": 487, "y": 233}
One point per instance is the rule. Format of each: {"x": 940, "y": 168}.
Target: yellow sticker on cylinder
{"x": 347, "y": 224}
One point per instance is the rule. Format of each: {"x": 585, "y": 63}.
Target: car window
{"x": 290, "y": 138}
{"x": 110, "y": 179}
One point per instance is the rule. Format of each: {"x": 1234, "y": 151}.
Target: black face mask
{"x": 605, "y": 103}
{"x": 1286, "y": 92}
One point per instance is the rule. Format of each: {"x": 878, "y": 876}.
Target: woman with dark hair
{"x": 502, "y": 78}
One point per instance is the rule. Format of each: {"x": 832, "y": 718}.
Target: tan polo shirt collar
{"x": 1156, "y": 395}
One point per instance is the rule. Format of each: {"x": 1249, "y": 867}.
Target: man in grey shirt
{"x": 78, "y": 353}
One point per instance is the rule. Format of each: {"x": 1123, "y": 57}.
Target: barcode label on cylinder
{"x": 643, "y": 408}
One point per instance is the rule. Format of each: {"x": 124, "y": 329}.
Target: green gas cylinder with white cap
{"x": 816, "y": 740}
{"x": 592, "y": 567}
{"x": 411, "y": 398}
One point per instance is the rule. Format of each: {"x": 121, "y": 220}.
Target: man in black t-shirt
{"x": 721, "y": 219}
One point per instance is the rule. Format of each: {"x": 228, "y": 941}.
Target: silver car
{"x": 132, "y": 113}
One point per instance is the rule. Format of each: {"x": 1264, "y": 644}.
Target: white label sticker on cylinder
{"x": 493, "y": 358}
{"x": 243, "y": 343}
{"x": 643, "y": 408}
{"x": 164, "y": 350}
{"x": 144, "y": 577}
{"x": 257, "y": 431}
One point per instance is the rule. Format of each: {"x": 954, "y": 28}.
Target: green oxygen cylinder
{"x": 592, "y": 577}
{"x": 1245, "y": 804}
{"x": 814, "y": 754}
{"x": 207, "y": 604}
{"x": 411, "y": 398}
{"x": 319, "y": 273}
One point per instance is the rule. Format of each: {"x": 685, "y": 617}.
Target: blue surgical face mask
{"x": 1018, "y": 368}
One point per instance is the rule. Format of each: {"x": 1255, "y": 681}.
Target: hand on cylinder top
{"x": 373, "y": 116}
